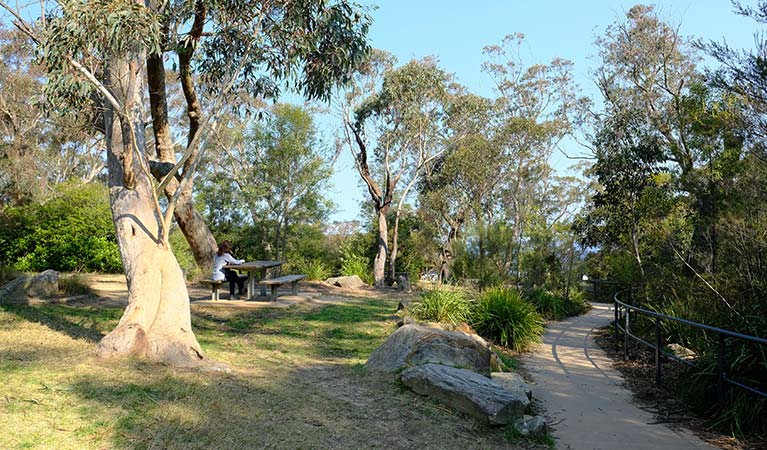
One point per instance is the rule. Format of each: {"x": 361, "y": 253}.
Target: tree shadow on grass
{"x": 76, "y": 323}
{"x": 322, "y": 406}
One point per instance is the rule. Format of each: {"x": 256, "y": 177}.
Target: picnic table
{"x": 251, "y": 267}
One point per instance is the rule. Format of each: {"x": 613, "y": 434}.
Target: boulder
{"x": 403, "y": 282}
{"x": 682, "y": 352}
{"x": 513, "y": 382}
{"x": 467, "y": 392}
{"x": 350, "y": 282}
{"x": 42, "y": 285}
{"x": 45, "y": 284}
{"x": 413, "y": 345}
{"x": 530, "y": 425}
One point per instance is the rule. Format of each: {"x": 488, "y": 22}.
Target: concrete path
{"x": 583, "y": 396}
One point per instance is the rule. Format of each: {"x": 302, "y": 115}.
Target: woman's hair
{"x": 224, "y": 247}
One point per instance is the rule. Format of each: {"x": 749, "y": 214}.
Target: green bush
{"x": 503, "y": 316}
{"x": 554, "y": 307}
{"x": 353, "y": 264}
{"x": 548, "y": 305}
{"x": 73, "y": 231}
{"x": 576, "y": 304}
{"x": 184, "y": 256}
{"x": 441, "y": 305}
{"x": 314, "y": 269}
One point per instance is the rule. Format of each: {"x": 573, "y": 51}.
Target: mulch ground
{"x": 639, "y": 376}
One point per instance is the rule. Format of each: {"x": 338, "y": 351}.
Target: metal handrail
{"x": 722, "y": 378}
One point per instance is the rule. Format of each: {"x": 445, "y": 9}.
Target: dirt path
{"x": 584, "y": 397}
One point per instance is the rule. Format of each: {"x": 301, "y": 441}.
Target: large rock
{"x": 351, "y": 282}
{"x": 413, "y": 345}
{"x": 467, "y": 392}
{"x": 513, "y": 382}
{"x": 42, "y": 285}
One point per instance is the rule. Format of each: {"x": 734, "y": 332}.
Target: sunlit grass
{"x": 298, "y": 382}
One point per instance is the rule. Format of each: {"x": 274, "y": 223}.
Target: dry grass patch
{"x": 298, "y": 383}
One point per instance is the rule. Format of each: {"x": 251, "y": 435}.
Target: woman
{"x": 224, "y": 257}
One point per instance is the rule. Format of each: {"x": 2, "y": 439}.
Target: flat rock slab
{"x": 414, "y": 345}
{"x": 513, "y": 382}
{"x": 467, "y": 392}
{"x": 348, "y": 282}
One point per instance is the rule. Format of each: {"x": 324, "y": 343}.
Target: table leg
{"x": 251, "y": 286}
{"x": 263, "y": 286}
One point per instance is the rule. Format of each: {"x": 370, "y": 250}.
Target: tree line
{"x": 185, "y": 128}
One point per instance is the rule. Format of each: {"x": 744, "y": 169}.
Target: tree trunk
{"x": 446, "y": 256}
{"x": 192, "y": 225}
{"x": 394, "y": 246}
{"x": 379, "y": 264}
{"x": 156, "y": 323}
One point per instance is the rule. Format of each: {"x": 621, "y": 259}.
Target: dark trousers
{"x": 234, "y": 279}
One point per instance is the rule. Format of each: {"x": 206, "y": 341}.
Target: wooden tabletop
{"x": 254, "y": 265}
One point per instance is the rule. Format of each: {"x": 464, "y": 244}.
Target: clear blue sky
{"x": 456, "y": 32}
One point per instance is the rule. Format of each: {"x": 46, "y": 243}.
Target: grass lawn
{"x": 298, "y": 383}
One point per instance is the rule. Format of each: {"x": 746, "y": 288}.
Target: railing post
{"x": 626, "y": 331}
{"x": 615, "y": 314}
{"x": 658, "y": 351}
{"x": 720, "y": 386}
{"x": 594, "y": 290}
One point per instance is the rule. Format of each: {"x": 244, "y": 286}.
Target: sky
{"x": 456, "y": 32}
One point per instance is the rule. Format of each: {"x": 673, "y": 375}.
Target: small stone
{"x": 530, "y": 425}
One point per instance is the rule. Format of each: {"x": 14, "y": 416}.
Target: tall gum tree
{"x": 99, "y": 50}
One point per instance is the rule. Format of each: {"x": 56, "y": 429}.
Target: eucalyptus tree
{"x": 112, "y": 51}
{"x": 37, "y": 150}
{"x": 534, "y": 111}
{"x": 413, "y": 103}
{"x": 275, "y": 169}
{"x": 461, "y": 179}
{"x": 402, "y": 121}
{"x": 648, "y": 71}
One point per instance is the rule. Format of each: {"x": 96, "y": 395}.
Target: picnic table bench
{"x": 275, "y": 283}
{"x": 215, "y": 285}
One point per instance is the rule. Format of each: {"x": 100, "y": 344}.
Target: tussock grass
{"x": 442, "y": 305}
{"x": 298, "y": 383}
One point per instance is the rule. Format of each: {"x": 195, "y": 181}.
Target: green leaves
{"x": 90, "y": 33}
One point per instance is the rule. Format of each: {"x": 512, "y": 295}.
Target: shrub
{"x": 554, "y": 307}
{"x": 353, "y": 264}
{"x": 503, "y": 316}
{"x": 576, "y": 304}
{"x": 441, "y": 305}
{"x": 73, "y": 231}
{"x": 314, "y": 269}
{"x": 184, "y": 256}
{"x": 548, "y": 305}
{"x": 74, "y": 284}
